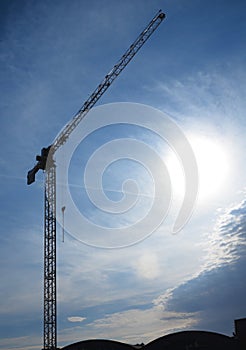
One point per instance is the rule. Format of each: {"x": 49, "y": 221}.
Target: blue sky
{"x": 53, "y": 54}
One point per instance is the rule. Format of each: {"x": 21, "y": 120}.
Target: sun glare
{"x": 212, "y": 161}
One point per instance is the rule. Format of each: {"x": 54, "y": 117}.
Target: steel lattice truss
{"x": 50, "y": 326}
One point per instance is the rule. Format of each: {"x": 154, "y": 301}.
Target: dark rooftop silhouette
{"x": 184, "y": 340}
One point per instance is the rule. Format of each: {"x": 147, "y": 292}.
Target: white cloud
{"x": 207, "y": 93}
{"x": 208, "y": 294}
{"x": 76, "y": 319}
{"x": 142, "y": 325}
{"x": 132, "y": 326}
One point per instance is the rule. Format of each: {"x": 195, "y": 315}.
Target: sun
{"x": 212, "y": 160}
{"x": 213, "y": 165}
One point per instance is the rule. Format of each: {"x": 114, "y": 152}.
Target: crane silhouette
{"x": 46, "y": 162}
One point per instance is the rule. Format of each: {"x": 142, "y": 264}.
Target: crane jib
{"x": 108, "y": 79}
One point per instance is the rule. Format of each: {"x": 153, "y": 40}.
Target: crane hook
{"x": 63, "y": 230}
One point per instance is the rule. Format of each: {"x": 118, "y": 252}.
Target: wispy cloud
{"x": 216, "y": 293}
{"x": 20, "y": 343}
{"x": 131, "y": 326}
{"x": 227, "y": 241}
{"x": 209, "y": 93}
{"x": 76, "y": 319}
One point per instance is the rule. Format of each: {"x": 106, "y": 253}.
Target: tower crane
{"x": 46, "y": 162}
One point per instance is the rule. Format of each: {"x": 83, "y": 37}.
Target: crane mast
{"x": 46, "y": 162}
